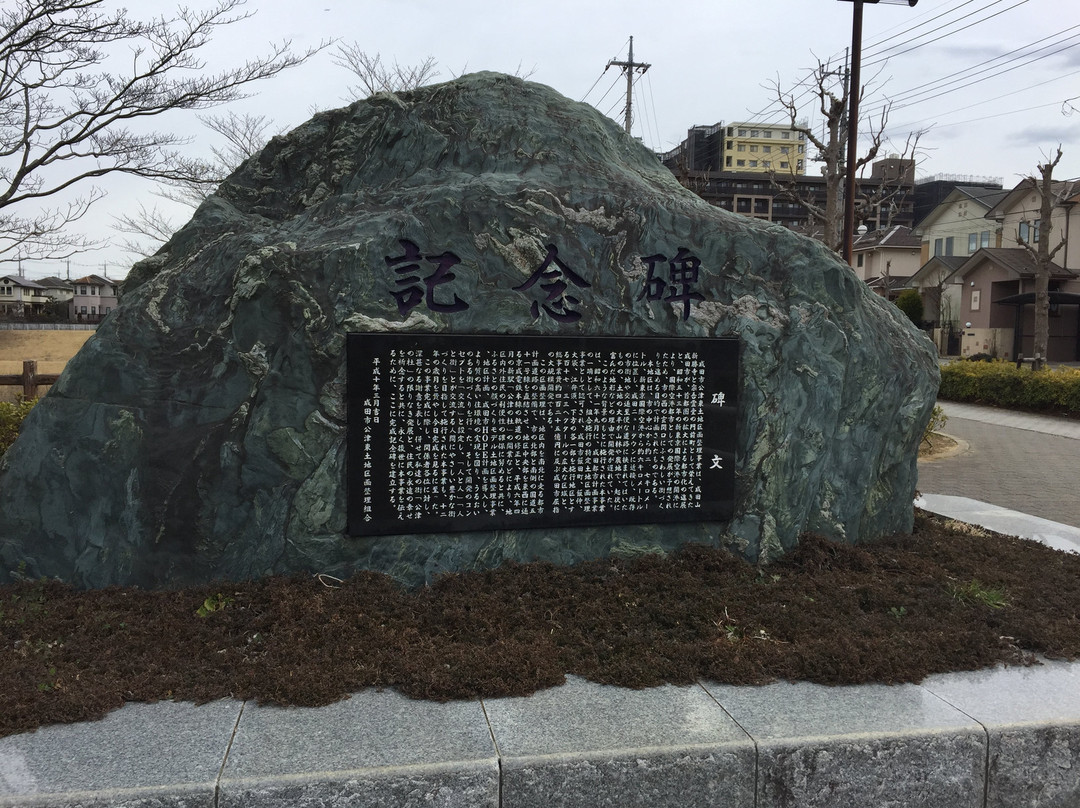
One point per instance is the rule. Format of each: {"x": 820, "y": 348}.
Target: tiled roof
{"x": 1014, "y": 259}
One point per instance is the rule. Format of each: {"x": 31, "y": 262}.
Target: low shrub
{"x": 1003, "y": 384}
{"x": 911, "y": 304}
{"x": 11, "y": 418}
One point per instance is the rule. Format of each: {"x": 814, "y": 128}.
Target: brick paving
{"x": 1023, "y": 469}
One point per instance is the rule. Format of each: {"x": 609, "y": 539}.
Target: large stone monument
{"x": 219, "y": 423}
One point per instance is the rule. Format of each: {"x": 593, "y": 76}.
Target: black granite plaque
{"x": 451, "y": 433}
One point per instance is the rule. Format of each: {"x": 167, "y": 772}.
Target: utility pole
{"x": 854, "y": 89}
{"x": 628, "y": 67}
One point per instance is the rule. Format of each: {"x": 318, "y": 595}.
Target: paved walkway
{"x": 1027, "y": 463}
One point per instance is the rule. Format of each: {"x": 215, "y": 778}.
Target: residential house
{"x": 940, "y": 288}
{"x": 998, "y": 293}
{"x": 886, "y": 259}
{"x": 997, "y": 305}
{"x": 20, "y": 297}
{"x": 949, "y": 234}
{"x": 997, "y": 284}
{"x": 57, "y": 289}
{"x": 93, "y": 297}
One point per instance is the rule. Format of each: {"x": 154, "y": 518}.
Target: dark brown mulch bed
{"x": 946, "y": 598}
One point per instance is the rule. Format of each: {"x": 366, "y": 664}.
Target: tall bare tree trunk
{"x": 1043, "y": 256}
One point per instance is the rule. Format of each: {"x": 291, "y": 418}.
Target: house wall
{"x": 994, "y": 341}
{"x": 1065, "y": 221}
{"x": 958, "y": 221}
{"x": 92, "y": 301}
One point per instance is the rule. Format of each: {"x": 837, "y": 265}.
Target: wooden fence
{"x": 29, "y": 378}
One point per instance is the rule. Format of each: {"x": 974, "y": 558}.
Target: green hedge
{"x": 1004, "y": 385}
{"x": 11, "y": 418}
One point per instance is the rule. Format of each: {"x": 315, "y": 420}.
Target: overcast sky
{"x": 992, "y": 81}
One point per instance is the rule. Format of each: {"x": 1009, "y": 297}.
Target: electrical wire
{"x": 929, "y": 92}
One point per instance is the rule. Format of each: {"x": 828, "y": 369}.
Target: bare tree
{"x": 1043, "y": 254}
{"x": 66, "y": 120}
{"x": 376, "y": 76}
{"x": 830, "y": 89}
{"x": 149, "y": 228}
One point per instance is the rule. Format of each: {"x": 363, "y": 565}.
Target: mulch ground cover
{"x": 946, "y": 598}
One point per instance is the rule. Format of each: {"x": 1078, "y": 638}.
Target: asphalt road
{"x": 1025, "y": 463}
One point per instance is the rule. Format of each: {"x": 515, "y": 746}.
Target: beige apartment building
{"x": 763, "y": 148}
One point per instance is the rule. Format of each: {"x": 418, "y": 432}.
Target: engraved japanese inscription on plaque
{"x": 452, "y": 433}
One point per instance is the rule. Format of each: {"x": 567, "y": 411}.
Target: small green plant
{"x": 11, "y": 419}
{"x": 898, "y": 613}
{"x": 214, "y": 603}
{"x": 45, "y": 687}
{"x": 938, "y": 418}
{"x": 974, "y": 592}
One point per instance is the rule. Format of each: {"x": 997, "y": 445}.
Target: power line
{"x": 991, "y": 71}
{"x": 883, "y": 58}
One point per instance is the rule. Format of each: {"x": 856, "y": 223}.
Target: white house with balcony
{"x": 20, "y": 297}
{"x": 93, "y": 297}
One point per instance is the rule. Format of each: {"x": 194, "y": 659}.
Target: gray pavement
{"x": 1025, "y": 463}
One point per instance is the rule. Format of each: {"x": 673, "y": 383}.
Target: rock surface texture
{"x": 201, "y": 432}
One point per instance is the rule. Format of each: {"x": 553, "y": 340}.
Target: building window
{"x": 784, "y": 150}
{"x": 740, "y": 163}
{"x": 801, "y": 149}
{"x": 1029, "y": 232}
{"x": 728, "y": 162}
{"x": 742, "y": 133}
{"x": 729, "y": 144}
{"x": 754, "y": 133}
{"x": 82, "y": 310}
{"x": 785, "y": 165}
{"x": 949, "y": 245}
{"x": 939, "y": 243}
{"x": 82, "y": 291}
{"x": 767, "y": 163}
{"x": 93, "y": 309}
{"x": 786, "y": 135}
{"x": 984, "y": 238}
{"x": 742, "y": 147}
{"x": 753, "y": 164}
{"x": 973, "y": 242}
{"x": 753, "y": 148}
{"x": 799, "y": 166}
{"x": 859, "y": 259}
{"x": 768, "y": 133}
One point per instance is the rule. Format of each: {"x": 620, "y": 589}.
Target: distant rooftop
{"x": 961, "y": 179}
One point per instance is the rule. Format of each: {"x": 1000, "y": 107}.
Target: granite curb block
{"x": 992, "y": 738}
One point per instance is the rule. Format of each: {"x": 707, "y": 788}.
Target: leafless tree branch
{"x": 67, "y": 121}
